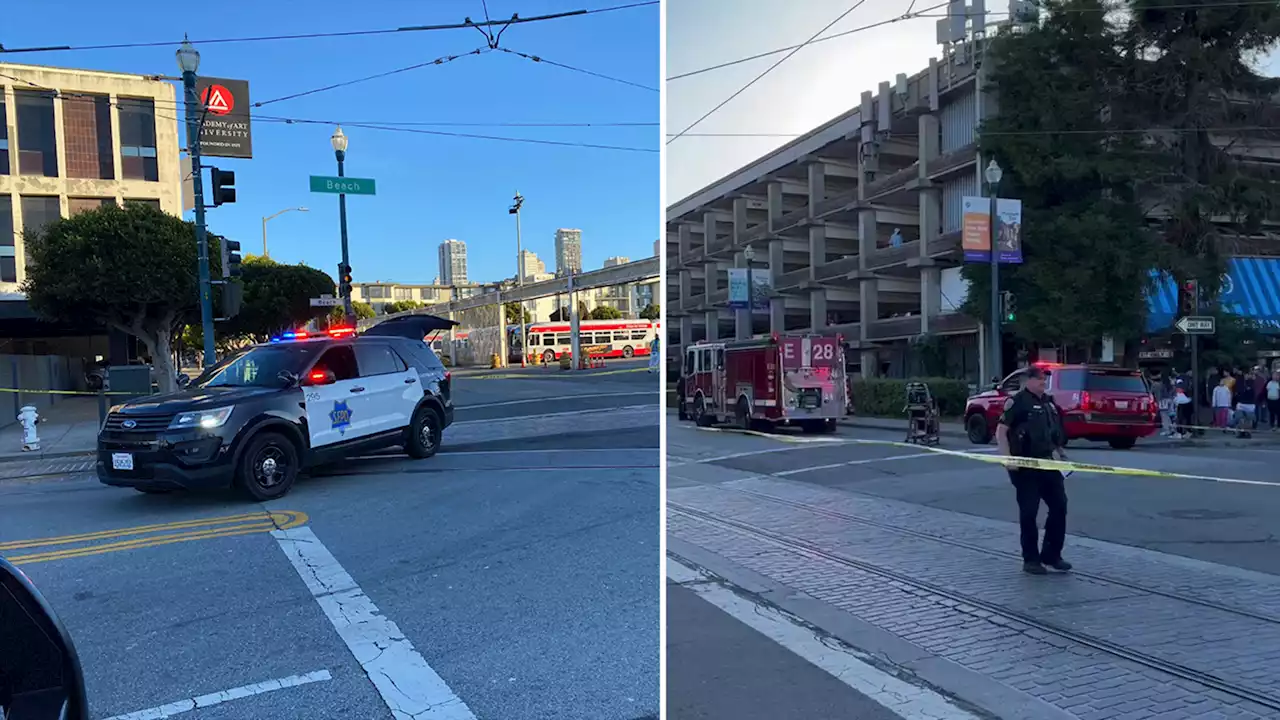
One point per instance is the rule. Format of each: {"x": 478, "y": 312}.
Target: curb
{"x": 13, "y": 459}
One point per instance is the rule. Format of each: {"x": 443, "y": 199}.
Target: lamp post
{"x": 993, "y": 175}
{"x": 516, "y": 204}
{"x": 339, "y": 143}
{"x": 269, "y": 217}
{"x": 189, "y": 61}
{"x": 749, "y": 254}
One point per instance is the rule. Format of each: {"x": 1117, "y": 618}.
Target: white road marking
{"x": 862, "y": 461}
{"x": 204, "y": 701}
{"x": 573, "y": 451}
{"x": 550, "y": 399}
{"x": 408, "y": 685}
{"x": 907, "y": 701}
{"x": 526, "y": 418}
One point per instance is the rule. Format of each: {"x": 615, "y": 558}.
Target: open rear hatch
{"x": 813, "y": 378}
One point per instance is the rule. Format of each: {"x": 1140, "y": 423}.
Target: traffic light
{"x": 344, "y": 280}
{"x": 232, "y": 298}
{"x": 230, "y": 258}
{"x": 1009, "y": 306}
{"x": 223, "y": 186}
{"x": 1189, "y": 298}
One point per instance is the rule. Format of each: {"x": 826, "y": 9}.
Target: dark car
{"x": 258, "y": 417}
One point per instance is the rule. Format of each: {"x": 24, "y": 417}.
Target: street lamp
{"x": 189, "y": 62}
{"x": 516, "y": 203}
{"x": 264, "y": 225}
{"x": 339, "y": 143}
{"x": 993, "y": 174}
{"x": 749, "y": 254}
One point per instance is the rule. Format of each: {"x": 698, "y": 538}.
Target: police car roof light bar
{"x": 341, "y": 331}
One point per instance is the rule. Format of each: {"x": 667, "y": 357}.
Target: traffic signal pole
{"x": 346, "y": 258}
{"x": 202, "y": 235}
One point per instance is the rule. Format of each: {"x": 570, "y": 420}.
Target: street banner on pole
{"x": 738, "y": 288}
{"x": 225, "y": 131}
{"x": 976, "y": 230}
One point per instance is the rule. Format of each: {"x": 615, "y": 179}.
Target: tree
{"x": 651, "y": 312}
{"x": 399, "y": 306}
{"x": 605, "y": 312}
{"x": 362, "y": 310}
{"x": 277, "y": 297}
{"x": 132, "y": 269}
{"x": 512, "y": 311}
{"x": 562, "y": 314}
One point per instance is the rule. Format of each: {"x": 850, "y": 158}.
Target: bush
{"x": 886, "y": 397}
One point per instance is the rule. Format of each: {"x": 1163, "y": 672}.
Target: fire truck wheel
{"x": 700, "y": 416}
{"x": 976, "y": 428}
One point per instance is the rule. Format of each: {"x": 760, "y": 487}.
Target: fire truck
{"x": 776, "y": 380}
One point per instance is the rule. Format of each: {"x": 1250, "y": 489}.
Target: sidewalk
{"x": 67, "y": 429}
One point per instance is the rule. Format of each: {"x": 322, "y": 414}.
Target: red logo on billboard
{"x": 218, "y": 100}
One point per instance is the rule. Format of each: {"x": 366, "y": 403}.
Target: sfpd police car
{"x": 262, "y": 414}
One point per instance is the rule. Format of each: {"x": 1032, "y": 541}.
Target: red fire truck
{"x": 787, "y": 380}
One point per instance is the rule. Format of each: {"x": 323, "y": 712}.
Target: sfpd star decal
{"x": 340, "y": 416}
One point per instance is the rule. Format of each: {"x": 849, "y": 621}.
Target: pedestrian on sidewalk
{"x": 1273, "y": 400}
{"x": 1222, "y": 403}
{"x": 1246, "y": 416}
{"x": 1259, "y": 381}
{"x": 1031, "y": 427}
{"x": 1186, "y": 411}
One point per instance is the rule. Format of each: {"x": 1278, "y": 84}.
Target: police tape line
{"x": 63, "y": 392}
{"x": 1065, "y": 466}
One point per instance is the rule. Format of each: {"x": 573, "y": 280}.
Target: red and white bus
{"x": 622, "y": 338}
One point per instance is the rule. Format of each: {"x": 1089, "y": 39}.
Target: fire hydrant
{"x": 29, "y": 417}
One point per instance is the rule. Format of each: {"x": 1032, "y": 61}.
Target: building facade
{"x": 568, "y": 251}
{"x": 616, "y": 261}
{"x": 379, "y": 294}
{"x": 453, "y": 262}
{"x": 531, "y": 265}
{"x": 72, "y": 140}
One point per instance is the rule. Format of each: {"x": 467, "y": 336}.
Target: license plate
{"x": 121, "y": 461}
{"x": 1122, "y": 404}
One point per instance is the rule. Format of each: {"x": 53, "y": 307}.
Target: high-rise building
{"x": 616, "y": 260}
{"x": 533, "y": 266}
{"x": 568, "y": 251}
{"x": 657, "y": 249}
{"x": 453, "y": 262}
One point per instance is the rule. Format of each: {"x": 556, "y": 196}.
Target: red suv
{"x": 1099, "y": 403}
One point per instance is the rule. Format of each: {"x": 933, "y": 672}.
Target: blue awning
{"x": 1250, "y": 289}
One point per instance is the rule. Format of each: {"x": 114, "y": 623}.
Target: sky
{"x": 430, "y": 187}
{"x": 818, "y": 83}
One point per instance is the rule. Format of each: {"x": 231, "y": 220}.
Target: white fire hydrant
{"x": 29, "y": 417}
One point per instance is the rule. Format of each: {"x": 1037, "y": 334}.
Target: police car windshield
{"x": 258, "y": 366}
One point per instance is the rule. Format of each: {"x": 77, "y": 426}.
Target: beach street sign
{"x": 343, "y": 185}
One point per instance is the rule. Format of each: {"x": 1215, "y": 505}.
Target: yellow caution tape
{"x": 1005, "y": 460}
{"x": 62, "y": 392}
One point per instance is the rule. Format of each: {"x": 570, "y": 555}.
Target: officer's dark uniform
{"x": 1036, "y": 431}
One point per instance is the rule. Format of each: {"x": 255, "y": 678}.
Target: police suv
{"x": 262, "y": 414}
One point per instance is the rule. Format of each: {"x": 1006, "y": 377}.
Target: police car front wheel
{"x": 424, "y": 433}
{"x": 268, "y": 467}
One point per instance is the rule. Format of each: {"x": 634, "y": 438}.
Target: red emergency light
{"x": 341, "y": 332}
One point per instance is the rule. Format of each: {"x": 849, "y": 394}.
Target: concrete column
{"x": 686, "y": 334}
{"x": 60, "y": 135}
{"x": 867, "y": 240}
{"x": 868, "y": 307}
{"x": 742, "y": 317}
{"x": 713, "y": 325}
{"x": 930, "y": 297}
{"x": 817, "y": 249}
{"x": 711, "y": 271}
{"x": 708, "y": 232}
{"x": 929, "y": 143}
{"x": 776, "y": 266}
{"x": 870, "y": 363}
{"x": 685, "y": 234}
{"x": 777, "y": 315}
{"x": 774, "y": 204}
{"x": 686, "y": 288}
{"x": 817, "y": 186}
{"x": 739, "y": 222}
{"x": 116, "y": 167}
{"x": 818, "y": 309}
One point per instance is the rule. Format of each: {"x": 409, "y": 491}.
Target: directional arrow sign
{"x": 1196, "y": 325}
{"x": 326, "y": 302}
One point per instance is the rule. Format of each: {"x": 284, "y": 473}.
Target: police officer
{"x": 1031, "y": 426}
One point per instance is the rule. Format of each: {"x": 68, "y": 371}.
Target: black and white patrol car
{"x": 262, "y": 414}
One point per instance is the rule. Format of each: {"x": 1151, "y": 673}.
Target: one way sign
{"x": 1196, "y": 325}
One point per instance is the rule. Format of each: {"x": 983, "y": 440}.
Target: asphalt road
{"x": 515, "y": 573}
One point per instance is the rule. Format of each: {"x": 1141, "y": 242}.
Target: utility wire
{"x": 515, "y": 20}
{"x": 438, "y": 61}
{"x": 844, "y": 33}
{"x": 545, "y": 61}
{"x": 757, "y": 78}
{"x": 1029, "y": 133}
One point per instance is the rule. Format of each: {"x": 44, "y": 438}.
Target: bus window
{"x": 549, "y": 340}
{"x": 562, "y": 339}
{"x": 638, "y": 335}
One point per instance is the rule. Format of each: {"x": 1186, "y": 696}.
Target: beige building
{"x": 379, "y": 294}
{"x": 72, "y": 140}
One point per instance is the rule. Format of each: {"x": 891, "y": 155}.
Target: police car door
{"x": 337, "y": 412}
{"x": 391, "y": 389}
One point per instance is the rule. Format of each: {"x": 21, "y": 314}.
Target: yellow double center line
{"x": 144, "y": 536}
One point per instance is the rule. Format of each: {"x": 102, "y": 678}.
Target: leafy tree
{"x": 512, "y": 312}
{"x": 562, "y": 314}
{"x": 132, "y": 269}
{"x": 399, "y": 306}
{"x": 651, "y": 312}
{"x": 363, "y": 311}
{"x": 277, "y": 297}
{"x": 605, "y": 312}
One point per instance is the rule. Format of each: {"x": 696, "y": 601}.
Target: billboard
{"x": 225, "y": 131}
{"x": 738, "y": 288}
{"x": 976, "y": 229}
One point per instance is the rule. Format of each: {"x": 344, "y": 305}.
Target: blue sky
{"x": 429, "y": 187}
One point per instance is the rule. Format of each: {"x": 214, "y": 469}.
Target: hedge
{"x": 886, "y": 397}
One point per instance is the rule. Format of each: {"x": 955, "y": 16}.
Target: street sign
{"x": 326, "y": 302}
{"x": 1196, "y": 324}
{"x": 343, "y": 185}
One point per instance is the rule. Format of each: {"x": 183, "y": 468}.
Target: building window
{"x": 37, "y": 212}
{"x": 375, "y": 291}
{"x": 138, "y": 160}
{"x": 86, "y": 130}
{"x": 402, "y": 293}
{"x": 8, "y": 253}
{"x": 4, "y": 136}
{"x": 37, "y": 134}
{"x": 78, "y": 205}
{"x": 149, "y": 202}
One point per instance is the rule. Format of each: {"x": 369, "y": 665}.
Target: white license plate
{"x": 122, "y": 461}
{"x": 1122, "y": 404}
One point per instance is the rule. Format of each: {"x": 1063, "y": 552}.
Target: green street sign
{"x": 343, "y": 185}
